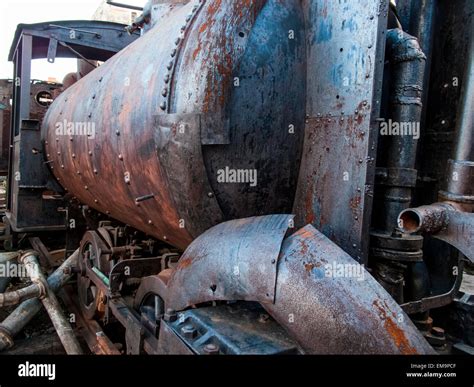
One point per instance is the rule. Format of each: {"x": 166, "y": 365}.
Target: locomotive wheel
{"x": 94, "y": 253}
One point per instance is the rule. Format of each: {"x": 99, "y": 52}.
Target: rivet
{"x": 173, "y": 52}
{"x": 163, "y": 105}
{"x": 170, "y": 66}
{"x": 120, "y": 157}
{"x": 164, "y": 93}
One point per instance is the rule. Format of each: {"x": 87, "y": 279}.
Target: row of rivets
{"x": 174, "y": 54}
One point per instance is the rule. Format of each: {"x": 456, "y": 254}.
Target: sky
{"x": 15, "y": 12}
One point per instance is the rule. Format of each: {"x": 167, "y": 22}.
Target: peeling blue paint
{"x": 325, "y": 31}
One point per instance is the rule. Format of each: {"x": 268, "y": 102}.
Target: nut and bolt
{"x": 170, "y": 315}
{"x": 211, "y": 349}
{"x": 189, "y": 332}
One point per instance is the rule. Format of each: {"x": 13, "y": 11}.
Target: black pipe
{"x": 407, "y": 62}
{"x": 464, "y": 149}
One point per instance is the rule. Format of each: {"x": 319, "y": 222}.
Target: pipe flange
{"x": 43, "y": 287}
{"x": 402, "y": 242}
{"x": 6, "y": 339}
{"x": 26, "y": 254}
{"x": 397, "y": 255}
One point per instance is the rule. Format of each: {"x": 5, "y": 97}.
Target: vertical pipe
{"x": 464, "y": 149}
{"x": 408, "y": 68}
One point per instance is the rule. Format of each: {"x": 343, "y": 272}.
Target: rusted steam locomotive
{"x": 243, "y": 177}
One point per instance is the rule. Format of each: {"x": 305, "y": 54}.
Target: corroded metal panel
{"x": 345, "y": 47}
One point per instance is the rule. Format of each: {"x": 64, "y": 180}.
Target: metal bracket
{"x": 52, "y": 50}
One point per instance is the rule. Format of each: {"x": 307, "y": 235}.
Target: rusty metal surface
{"x": 444, "y": 222}
{"x": 192, "y": 71}
{"x": 6, "y": 93}
{"x": 236, "y": 329}
{"x": 459, "y": 182}
{"x": 337, "y": 314}
{"x": 25, "y": 312}
{"x": 460, "y": 233}
{"x": 346, "y": 50}
{"x": 236, "y": 260}
{"x": 323, "y": 314}
{"x": 90, "y": 330}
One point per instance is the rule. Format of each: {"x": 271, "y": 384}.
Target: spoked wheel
{"x": 94, "y": 254}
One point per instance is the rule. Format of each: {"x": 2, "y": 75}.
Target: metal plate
{"x": 331, "y": 305}
{"x": 346, "y": 47}
{"x": 234, "y": 261}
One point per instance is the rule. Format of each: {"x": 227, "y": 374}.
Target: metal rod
{"x": 127, "y": 6}
{"x": 18, "y": 296}
{"x": 51, "y": 304}
{"x": 26, "y": 311}
{"x": 5, "y": 257}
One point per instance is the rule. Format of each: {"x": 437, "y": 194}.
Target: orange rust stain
{"x": 185, "y": 263}
{"x": 310, "y": 217}
{"x": 304, "y": 245}
{"x": 355, "y": 203}
{"x": 310, "y": 266}
{"x": 394, "y": 331}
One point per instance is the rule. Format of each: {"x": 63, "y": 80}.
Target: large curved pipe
{"x": 325, "y": 300}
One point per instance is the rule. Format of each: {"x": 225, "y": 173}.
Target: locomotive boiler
{"x": 212, "y": 181}
{"x": 169, "y": 116}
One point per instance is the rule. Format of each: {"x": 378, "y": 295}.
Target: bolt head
{"x": 211, "y": 349}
